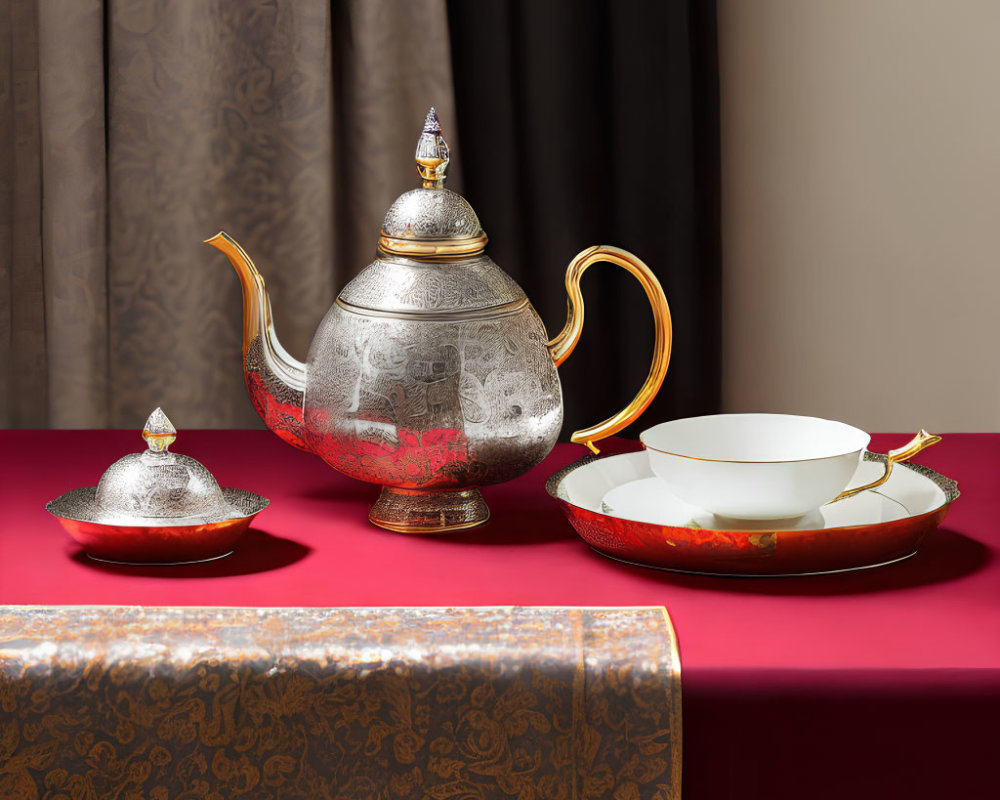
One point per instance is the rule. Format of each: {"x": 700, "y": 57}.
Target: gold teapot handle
{"x": 562, "y": 345}
{"x": 922, "y": 440}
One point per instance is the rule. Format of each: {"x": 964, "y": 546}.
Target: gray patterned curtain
{"x": 134, "y": 129}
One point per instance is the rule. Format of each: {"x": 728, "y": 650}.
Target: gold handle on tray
{"x": 919, "y": 442}
{"x": 562, "y": 345}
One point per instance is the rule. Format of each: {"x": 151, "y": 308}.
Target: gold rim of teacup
{"x": 757, "y": 461}
{"x": 861, "y": 433}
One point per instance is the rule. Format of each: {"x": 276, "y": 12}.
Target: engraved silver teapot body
{"x": 431, "y": 374}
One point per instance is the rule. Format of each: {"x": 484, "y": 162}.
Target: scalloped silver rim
{"x": 252, "y": 504}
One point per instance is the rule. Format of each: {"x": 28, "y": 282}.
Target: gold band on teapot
{"x": 562, "y": 345}
{"x": 429, "y": 249}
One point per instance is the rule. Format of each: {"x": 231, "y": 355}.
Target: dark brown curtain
{"x": 134, "y": 129}
{"x": 597, "y": 123}
{"x": 22, "y": 289}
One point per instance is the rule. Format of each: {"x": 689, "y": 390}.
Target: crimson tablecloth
{"x": 879, "y": 683}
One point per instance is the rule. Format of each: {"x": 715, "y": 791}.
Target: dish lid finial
{"x": 159, "y": 432}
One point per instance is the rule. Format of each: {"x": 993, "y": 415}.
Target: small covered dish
{"x": 157, "y": 507}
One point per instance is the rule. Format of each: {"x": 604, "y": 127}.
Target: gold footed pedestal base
{"x": 409, "y": 511}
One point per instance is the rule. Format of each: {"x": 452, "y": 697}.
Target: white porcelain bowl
{"x": 755, "y": 466}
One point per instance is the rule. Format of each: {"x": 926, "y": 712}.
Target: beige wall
{"x": 861, "y": 210}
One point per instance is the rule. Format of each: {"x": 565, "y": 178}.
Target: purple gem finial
{"x": 431, "y": 123}
{"x": 432, "y": 152}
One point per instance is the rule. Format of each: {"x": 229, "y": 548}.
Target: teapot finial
{"x": 432, "y": 152}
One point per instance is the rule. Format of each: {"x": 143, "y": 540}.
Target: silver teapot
{"x": 431, "y": 374}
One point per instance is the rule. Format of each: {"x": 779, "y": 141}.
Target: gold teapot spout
{"x": 275, "y": 381}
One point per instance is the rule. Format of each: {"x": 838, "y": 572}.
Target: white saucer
{"x": 648, "y": 500}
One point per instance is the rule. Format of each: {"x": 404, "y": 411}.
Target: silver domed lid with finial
{"x": 430, "y": 252}
{"x": 156, "y": 487}
{"x": 432, "y": 222}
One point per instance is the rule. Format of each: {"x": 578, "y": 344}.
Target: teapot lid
{"x": 431, "y": 223}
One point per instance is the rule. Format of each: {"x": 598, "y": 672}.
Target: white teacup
{"x": 762, "y": 466}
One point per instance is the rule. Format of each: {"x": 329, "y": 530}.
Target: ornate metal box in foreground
{"x": 431, "y": 374}
{"x": 305, "y": 703}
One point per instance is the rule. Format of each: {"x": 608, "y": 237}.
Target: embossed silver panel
{"x": 479, "y": 399}
{"x": 401, "y": 284}
{"x": 431, "y": 214}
